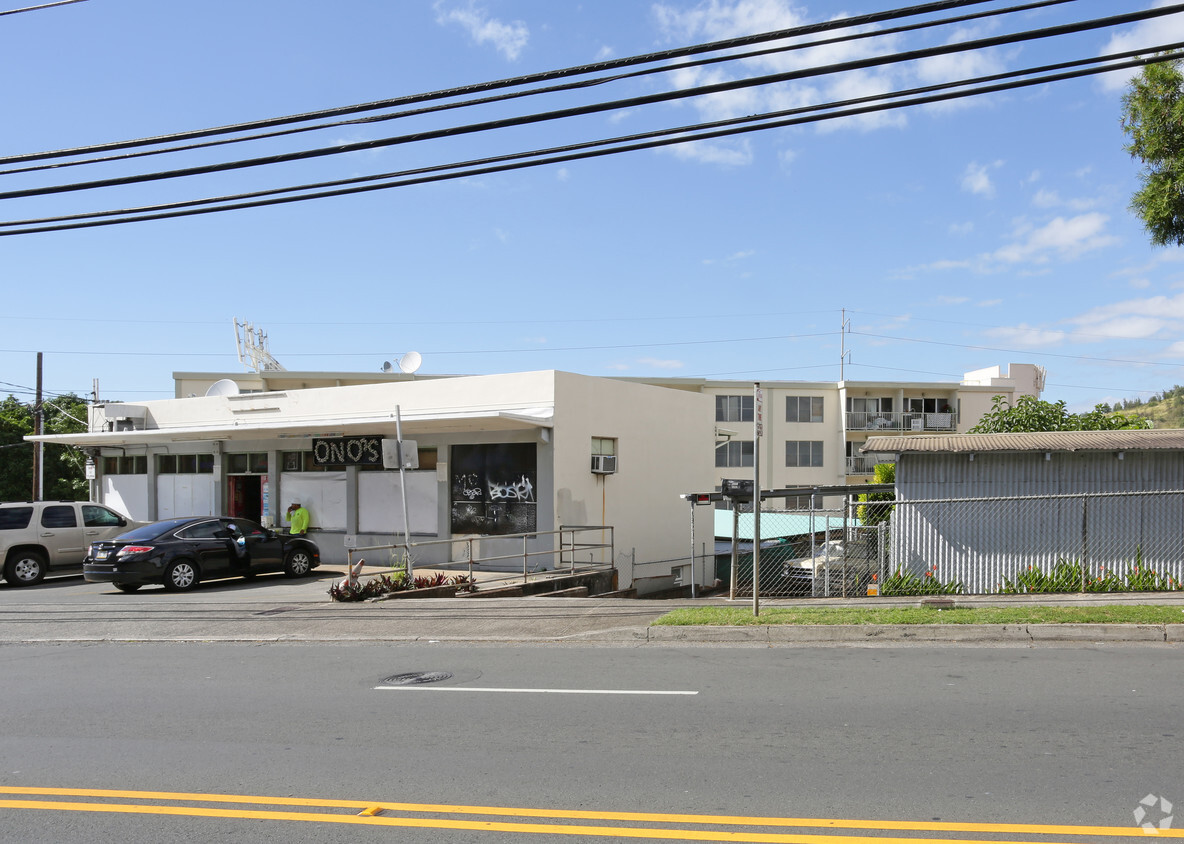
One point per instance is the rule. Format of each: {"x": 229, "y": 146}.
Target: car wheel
{"x": 25, "y": 568}
{"x": 180, "y": 576}
{"x": 298, "y": 563}
{"x": 128, "y": 587}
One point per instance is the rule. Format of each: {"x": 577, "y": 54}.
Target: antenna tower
{"x": 251, "y": 343}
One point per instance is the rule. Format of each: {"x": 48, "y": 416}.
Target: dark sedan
{"x": 180, "y": 553}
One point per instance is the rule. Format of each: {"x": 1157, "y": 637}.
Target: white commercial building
{"x": 502, "y": 454}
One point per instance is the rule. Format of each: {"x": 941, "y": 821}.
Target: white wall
{"x": 380, "y": 505}
{"x": 128, "y": 494}
{"x": 180, "y": 495}
{"x": 665, "y": 442}
{"x": 321, "y": 493}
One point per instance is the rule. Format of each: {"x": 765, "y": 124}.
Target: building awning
{"x": 412, "y": 424}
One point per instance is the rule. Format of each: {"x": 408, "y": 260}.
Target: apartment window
{"x": 734, "y": 453}
{"x": 126, "y": 465}
{"x": 302, "y": 461}
{"x": 802, "y": 453}
{"x": 803, "y": 409}
{"x": 253, "y": 463}
{"x": 604, "y": 445}
{"x": 733, "y": 409}
{"x": 185, "y": 464}
{"x": 928, "y": 405}
{"x": 855, "y": 405}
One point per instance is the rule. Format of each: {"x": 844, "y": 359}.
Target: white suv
{"x": 51, "y": 537}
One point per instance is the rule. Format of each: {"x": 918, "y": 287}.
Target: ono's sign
{"x": 347, "y": 451}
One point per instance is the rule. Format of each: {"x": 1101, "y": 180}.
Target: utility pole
{"x": 38, "y": 424}
{"x": 844, "y": 328}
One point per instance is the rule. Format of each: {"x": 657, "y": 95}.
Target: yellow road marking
{"x": 371, "y": 808}
{"x": 487, "y": 826}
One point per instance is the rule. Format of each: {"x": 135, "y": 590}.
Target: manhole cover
{"x": 416, "y": 678}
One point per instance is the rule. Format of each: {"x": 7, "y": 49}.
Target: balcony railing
{"x": 866, "y": 464}
{"x": 911, "y": 421}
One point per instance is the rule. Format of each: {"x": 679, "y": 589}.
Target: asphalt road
{"x": 926, "y": 736}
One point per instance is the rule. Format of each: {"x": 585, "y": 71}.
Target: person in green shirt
{"x": 297, "y": 519}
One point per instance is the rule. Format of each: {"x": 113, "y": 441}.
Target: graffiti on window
{"x": 493, "y": 488}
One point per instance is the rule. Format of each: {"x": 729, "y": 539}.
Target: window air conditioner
{"x": 604, "y": 464}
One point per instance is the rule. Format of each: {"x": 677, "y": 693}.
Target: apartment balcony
{"x": 902, "y": 422}
{"x": 866, "y": 464}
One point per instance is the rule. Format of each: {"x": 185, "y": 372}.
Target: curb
{"x": 1030, "y": 634}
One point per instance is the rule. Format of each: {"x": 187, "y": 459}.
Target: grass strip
{"x": 739, "y": 616}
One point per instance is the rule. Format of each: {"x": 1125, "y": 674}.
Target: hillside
{"x": 1165, "y": 410}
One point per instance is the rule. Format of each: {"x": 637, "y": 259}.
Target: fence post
{"x": 1084, "y": 539}
{"x": 880, "y": 549}
{"x": 735, "y": 551}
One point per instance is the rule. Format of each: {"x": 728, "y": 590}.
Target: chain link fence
{"x": 809, "y": 553}
{"x": 1103, "y": 542}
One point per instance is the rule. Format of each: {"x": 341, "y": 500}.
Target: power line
{"x": 663, "y": 55}
{"x": 1028, "y": 352}
{"x": 612, "y": 105}
{"x": 571, "y": 86}
{"x": 39, "y": 8}
{"x": 566, "y": 154}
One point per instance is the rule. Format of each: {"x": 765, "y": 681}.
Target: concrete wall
{"x": 664, "y": 449}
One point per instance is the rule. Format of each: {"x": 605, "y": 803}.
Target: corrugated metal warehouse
{"x": 984, "y": 509}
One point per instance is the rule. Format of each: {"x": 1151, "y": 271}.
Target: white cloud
{"x": 1148, "y": 33}
{"x": 952, "y": 300}
{"x": 961, "y": 229}
{"x": 1051, "y": 199}
{"x": 661, "y": 364}
{"x": 735, "y": 154}
{"x": 1026, "y": 335}
{"x": 988, "y": 303}
{"x": 1065, "y": 238}
{"x": 562, "y": 174}
{"x": 976, "y": 180}
{"x": 507, "y": 38}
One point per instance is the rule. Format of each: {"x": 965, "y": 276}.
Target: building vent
{"x": 604, "y": 464}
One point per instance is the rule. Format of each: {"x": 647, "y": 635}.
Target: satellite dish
{"x": 410, "y": 362}
{"x": 224, "y": 387}
{"x": 386, "y": 366}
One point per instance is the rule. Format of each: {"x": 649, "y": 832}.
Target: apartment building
{"x": 813, "y": 431}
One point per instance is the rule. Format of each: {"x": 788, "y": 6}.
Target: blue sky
{"x": 956, "y": 236}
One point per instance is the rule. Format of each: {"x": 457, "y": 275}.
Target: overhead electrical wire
{"x": 569, "y": 86}
{"x": 664, "y": 55}
{"x": 610, "y": 146}
{"x": 612, "y": 105}
{"x": 565, "y": 154}
{"x": 39, "y": 8}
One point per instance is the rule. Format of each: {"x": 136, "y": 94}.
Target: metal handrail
{"x": 908, "y": 420}
{"x": 567, "y": 549}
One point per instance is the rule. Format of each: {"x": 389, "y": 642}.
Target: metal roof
{"x": 1163, "y": 439}
{"x": 777, "y": 525}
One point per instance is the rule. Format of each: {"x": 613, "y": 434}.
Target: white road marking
{"x": 426, "y": 688}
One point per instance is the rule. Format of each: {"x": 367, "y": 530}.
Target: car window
{"x": 60, "y": 516}
{"x": 15, "y": 518}
{"x": 146, "y": 533}
{"x": 202, "y": 530}
{"x": 95, "y": 516}
{"x": 249, "y": 528}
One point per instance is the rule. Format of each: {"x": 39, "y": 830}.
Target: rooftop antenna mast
{"x": 844, "y": 355}
{"x": 251, "y": 343}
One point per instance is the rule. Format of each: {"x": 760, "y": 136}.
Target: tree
{"x": 64, "y": 471}
{"x": 873, "y": 511}
{"x": 1153, "y": 119}
{"x": 1032, "y": 414}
